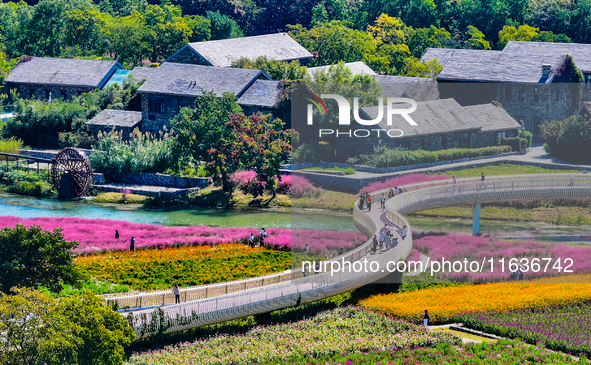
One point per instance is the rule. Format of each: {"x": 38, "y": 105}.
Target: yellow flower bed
{"x": 445, "y": 303}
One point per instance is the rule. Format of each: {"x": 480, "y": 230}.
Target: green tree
{"x": 333, "y": 42}
{"x": 422, "y": 38}
{"x": 82, "y": 30}
{"x": 259, "y": 143}
{"x": 201, "y": 135}
{"x": 43, "y": 32}
{"x": 570, "y": 139}
{"x": 277, "y": 70}
{"x": 319, "y": 15}
{"x": 33, "y": 257}
{"x": 222, "y": 26}
{"x": 416, "y": 68}
{"x": 476, "y": 40}
{"x": 545, "y": 36}
{"x": 128, "y": 38}
{"x": 200, "y": 26}
{"x": 510, "y": 33}
{"x": 76, "y": 330}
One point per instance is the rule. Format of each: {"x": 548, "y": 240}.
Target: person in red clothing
{"x": 369, "y": 202}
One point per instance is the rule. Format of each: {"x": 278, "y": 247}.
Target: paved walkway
{"x": 535, "y": 154}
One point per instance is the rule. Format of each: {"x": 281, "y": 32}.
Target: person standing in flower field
{"x": 251, "y": 240}
{"x": 116, "y": 234}
{"x": 306, "y": 249}
{"x": 263, "y": 236}
{"x": 177, "y": 294}
{"x": 132, "y": 244}
{"x": 426, "y": 318}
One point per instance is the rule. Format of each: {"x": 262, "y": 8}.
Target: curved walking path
{"x": 227, "y": 301}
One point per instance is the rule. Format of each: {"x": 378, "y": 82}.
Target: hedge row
{"x": 397, "y": 157}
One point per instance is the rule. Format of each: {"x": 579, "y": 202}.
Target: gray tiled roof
{"x": 581, "y": 52}
{"x": 116, "y": 118}
{"x": 446, "y": 116}
{"x": 190, "y": 80}
{"x": 491, "y": 117}
{"x": 517, "y": 62}
{"x": 417, "y": 88}
{"x": 358, "y": 68}
{"x": 278, "y": 46}
{"x": 264, "y": 93}
{"x": 141, "y": 73}
{"x": 63, "y": 72}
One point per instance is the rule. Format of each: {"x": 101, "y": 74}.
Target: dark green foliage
{"x": 277, "y": 70}
{"x": 25, "y": 182}
{"x": 515, "y": 143}
{"x": 76, "y": 330}
{"x": 32, "y": 257}
{"x": 569, "y": 139}
{"x": 222, "y": 26}
{"x": 385, "y": 157}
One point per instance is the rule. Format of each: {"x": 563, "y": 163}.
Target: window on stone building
{"x": 444, "y": 141}
{"x": 500, "y": 136}
{"x": 522, "y": 93}
{"x": 588, "y": 81}
{"x": 464, "y": 140}
{"x": 422, "y": 143}
{"x": 536, "y": 95}
{"x": 537, "y": 125}
{"x": 156, "y": 105}
{"x": 508, "y": 91}
{"x": 47, "y": 94}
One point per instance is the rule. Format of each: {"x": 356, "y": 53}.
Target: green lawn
{"x": 348, "y": 171}
{"x": 504, "y": 169}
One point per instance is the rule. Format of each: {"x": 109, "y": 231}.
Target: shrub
{"x": 313, "y": 152}
{"x": 10, "y": 145}
{"x": 385, "y": 157}
{"x": 515, "y": 143}
{"x": 303, "y": 188}
{"x": 142, "y": 153}
{"x": 247, "y": 182}
{"x": 32, "y": 257}
{"x": 37, "y": 188}
{"x": 25, "y": 182}
{"x": 569, "y": 139}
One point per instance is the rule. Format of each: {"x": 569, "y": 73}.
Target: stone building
{"x": 532, "y": 80}
{"x": 441, "y": 124}
{"x": 110, "y": 120}
{"x": 221, "y": 53}
{"x": 357, "y": 68}
{"x": 173, "y": 86}
{"x": 44, "y": 78}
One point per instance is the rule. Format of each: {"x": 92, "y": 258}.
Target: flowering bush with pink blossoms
{"x": 248, "y": 183}
{"x": 97, "y": 235}
{"x": 457, "y": 247}
{"x": 303, "y": 188}
{"x": 402, "y": 180}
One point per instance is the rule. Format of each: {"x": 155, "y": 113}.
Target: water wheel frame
{"x": 75, "y": 163}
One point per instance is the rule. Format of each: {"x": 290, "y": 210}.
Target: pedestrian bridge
{"x": 155, "y": 312}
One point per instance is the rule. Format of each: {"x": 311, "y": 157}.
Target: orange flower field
{"x": 445, "y": 304}
{"x": 188, "y": 265}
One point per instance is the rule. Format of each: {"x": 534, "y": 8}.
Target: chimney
{"x": 546, "y": 69}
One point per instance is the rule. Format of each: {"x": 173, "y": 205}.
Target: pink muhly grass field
{"x": 457, "y": 247}
{"x": 98, "y": 235}
{"x": 402, "y": 180}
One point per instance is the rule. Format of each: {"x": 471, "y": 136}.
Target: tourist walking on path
{"x": 263, "y": 236}
{"x": 369, "y": 202}
{"x": 482, "y": 176}
{"x": 382, "y": 239}
{"x": 383, "y": 202}
{"x": 116, "y": 234}
{"x": 388, "y": 241}
{"x": 395, "y": 243}
{"x": 426, "y": 318}
{"x": 362, "y": 202}
{"x": 375, "y": 243}
{"x": 306, "y": 249}
{"x": 404, "y": 232}
{"x": 132, "y": 244}
{"x": 390, "y": 194}
{"x": 177, "y": 294}
{"x": 251, "y": 240}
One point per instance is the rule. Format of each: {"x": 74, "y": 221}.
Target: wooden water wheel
{"x": 71, "y": 173}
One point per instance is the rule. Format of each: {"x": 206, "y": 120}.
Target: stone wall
{"x": 41, "y": 92}
{"x": 163, "y": 180}
{"x": 171, "y": 104}
{"x": 49, "y": 154}
{"x": 188, "y": 55}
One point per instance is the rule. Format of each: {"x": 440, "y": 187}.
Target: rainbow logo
{"x": 317, "y": 101}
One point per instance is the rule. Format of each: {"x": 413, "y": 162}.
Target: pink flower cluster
{"x": 402, "y": 180}
{"x": 457, "y": 247}
{"x": 303, "y": 188}
{"x": 246, "y": 182}
{"x": 97, "y": 235}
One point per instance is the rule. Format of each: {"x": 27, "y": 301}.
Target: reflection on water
{"x": 30, "y": 207}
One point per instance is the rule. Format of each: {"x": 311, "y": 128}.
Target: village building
{"x": 173, "y": 86}
{"x": 441, "y": 124}
{"x": 47, "y": 78}
{"x": 357, "y": 68}
{"x": 531, "y": 80}
{"x": 109, "y": 120}
{"x": 221, "y": 53}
